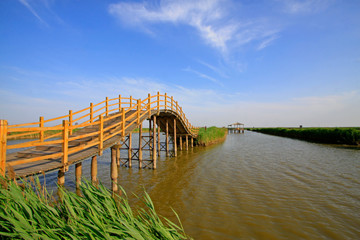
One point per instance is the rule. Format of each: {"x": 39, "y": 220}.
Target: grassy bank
{"x": 210, "y": 135}
{"x": 26, "y": 213}
{"x": 349, "y": 136}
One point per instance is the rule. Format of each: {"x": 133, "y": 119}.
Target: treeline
{"x": 349, "y": 136}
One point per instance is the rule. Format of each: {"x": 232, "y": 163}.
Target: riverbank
{"x": 348, "y": 136}
{"x": 211, "y": 135}
{"x": 30, "y": 212}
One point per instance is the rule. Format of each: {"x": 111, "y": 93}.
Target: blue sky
{"x": 263, "y": 63}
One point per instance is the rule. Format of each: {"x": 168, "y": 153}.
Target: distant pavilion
{"x": 236, "y": 128}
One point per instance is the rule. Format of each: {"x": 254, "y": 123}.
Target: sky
{"x": 271, "y": 63}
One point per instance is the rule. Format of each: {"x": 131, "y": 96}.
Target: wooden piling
{"x": 154, "y": 142}
{"x": 130, "y": 150}
{"x": 175, "y": 147}
{"x": 3, "y": 141}
{"x": 94, "y": 170}
{"x": 150, "y": 134}
{"x": 167, "y": 136}
{"x": 140, "y": 145}
{"x": 61, "y": 177}
{"x": 180, "y": 143}
{"x": 158, "y": 137}
{"x": 118, "y": 155}
{"x": 78, "y": 173}
{"x": 187, "y": 142}
{"x": 113, "y": 171}
{"x": 192, "y": 142}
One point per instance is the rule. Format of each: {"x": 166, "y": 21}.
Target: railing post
{"x": 101, "y": 134}
{"x": 123, "y": 122}
{"x": 41, "y": 137}
{"x": 177, "y": 106}
{"x": 3, "y": 140}
{"x": 165, "y": 101}
{"x": 172, "y": 103}
{"x": 65, "y": 144}
{"x": 131, "y": 101}
{"x": 119, "y": 102}
{"x": 158, "y": 102}
{"x": 107, "y": 106}
{"x": 91, "y": 112}
{"x": 138, "y": 111}
{"x": 70, "y": 121}
{"x": 149, "y": 104}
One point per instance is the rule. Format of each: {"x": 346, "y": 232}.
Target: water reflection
{"x": 252, "y": 186}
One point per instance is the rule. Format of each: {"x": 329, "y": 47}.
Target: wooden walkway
{"x": 86, "y": 133}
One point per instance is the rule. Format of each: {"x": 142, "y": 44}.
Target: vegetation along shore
{"x": 211, "y": 135}
{"x": 348, "y": 136}
{"x": 30, "y": 212}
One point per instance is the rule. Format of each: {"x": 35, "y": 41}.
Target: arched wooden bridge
{"x": 72, "y": 138}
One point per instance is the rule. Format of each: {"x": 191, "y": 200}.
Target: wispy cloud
{"x": 304, "y": 6}
{"x": 31, "y": 9}
{"x": 217, "y": 70}
{"x": 211, "y": 18}
{"x": 265, "y": 43}
{"x": 204, "y": 76}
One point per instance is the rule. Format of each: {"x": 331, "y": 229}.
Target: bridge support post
{"x": 78, "y": 173}
{"x": 192, "y": 142}
{"x": 167, "y": 136}
{"x": 154, "y": 142}
{"x": 61, "y": 177}
{"x": 140, "y": 145}
{"x": 130, "y": 150}
{"x": 187, "y": 142}
{"x": 180, "y": 142}
{"x": 175, "y": 137}
{"x": 158, "y": 137}
{"x": 3, "y": 141}
{"x": 150, "y": 135}
{"x": 118, "y": 155}
{"x": 114, "y": 170}
{"x": 94, "y": 170}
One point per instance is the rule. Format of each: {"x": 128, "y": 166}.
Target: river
{"x": 251, "y": 186}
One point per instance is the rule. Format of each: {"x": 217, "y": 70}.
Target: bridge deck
{"x": 37, "y": 167}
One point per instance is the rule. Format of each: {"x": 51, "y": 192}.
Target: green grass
{"x": 210, "y": 135}
{"x": 349, "y": 136}
{"x": 30, "y": 212}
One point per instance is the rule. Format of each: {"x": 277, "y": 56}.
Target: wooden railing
{"x": 95, "y": 115}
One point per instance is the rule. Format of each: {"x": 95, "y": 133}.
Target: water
{"x": 252, "y": 186}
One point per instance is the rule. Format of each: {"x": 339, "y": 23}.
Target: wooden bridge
{"x": 62, "y": 141}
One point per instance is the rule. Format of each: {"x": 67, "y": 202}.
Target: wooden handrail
{"x": 120, "y": 105}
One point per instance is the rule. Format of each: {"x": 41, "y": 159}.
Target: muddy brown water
{"x": 251, "y": 186}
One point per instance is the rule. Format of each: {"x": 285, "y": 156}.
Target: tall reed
{"x": 350, "y": 136}
{"x": 31, "y": 212}
{"x": 210, "y": 135}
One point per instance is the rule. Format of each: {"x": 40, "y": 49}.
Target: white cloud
{"x": 267, "y": 42}
{"x": 202, "y": 75}
{"x": 211, "y": 18}
{"x": 31, "y": 9}
{"x": 217, "y": 70}
{"x": 304, "y": 6}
